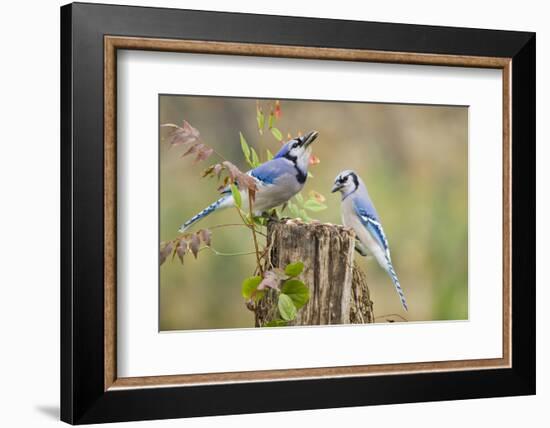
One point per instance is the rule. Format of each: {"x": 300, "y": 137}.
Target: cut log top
{"x": 338, "y": 290}
{"x": 321, "y": 229}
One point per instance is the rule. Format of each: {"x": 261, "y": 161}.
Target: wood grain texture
{"x": 308, "y": 373}
{"x": 109, "y": 197}
{"x": 327, "y": 252}
{"x": 282, "y": 51}
{"x": 507, "y": 213}
{"x": 112, "y": 43}
{"x": 362, "y": 309}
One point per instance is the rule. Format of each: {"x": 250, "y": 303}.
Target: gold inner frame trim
{"x": 113, "y": 43}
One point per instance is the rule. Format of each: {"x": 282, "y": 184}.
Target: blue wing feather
{"x": 268, "y": 172}
{"x": 365, "y": 211}
{"x": 263, "y": 176}
{"x": 372, "y": 224}
{"x": 374, "y": 227}
{"x": 378, "y": 233}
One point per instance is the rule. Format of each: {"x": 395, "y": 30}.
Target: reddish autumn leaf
{"x": 187, "y": 128}
{"x": 213, "y": 170}
{"x": 270, "y": 280}
{"x": 193, "y": 149}
{"x": 234, "y": 175}
{"x": 181, "y": 250}
{"x": 252, "y": 193}
{"x": 247, "y": 182}
{"x": 195, "y": 244}
{"x": 206, "y": 236}
{"x": 244, "y": 181}
{"x": 277, "y": 111}
{"x": 314, "y": 160}
{"x": 203, "y": 153}
{"x": 165, "y": 251}
{"x": 184, "y": 134}
{"x": 208, "y": 171}
{"x": 232, "y": 170}
{"x": 317, "y": 196}
{"x": 224, "y": 184}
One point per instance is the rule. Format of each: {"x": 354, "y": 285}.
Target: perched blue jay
{"x": 358, "y": 212}
{"x": 277, "y": 180}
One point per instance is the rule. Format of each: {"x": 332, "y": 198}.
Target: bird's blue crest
{"x": 303, "y": 142}
{"x": 284, "y": 150}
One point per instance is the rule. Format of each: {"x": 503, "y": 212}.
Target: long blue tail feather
{"x": 205, "y": 212}
{"x": 397, "y": 285}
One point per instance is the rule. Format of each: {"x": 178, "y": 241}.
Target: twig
{"x": 391, "y": 315}
{"x": 236, "y": 224}
{"x": 255, "y": 242}
{"x": 218, "y": 154}
{"x": 260, "y": 269}
{"x": 219, "y": 253}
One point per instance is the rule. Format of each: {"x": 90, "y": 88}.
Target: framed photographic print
{"x": 305, "y": 212}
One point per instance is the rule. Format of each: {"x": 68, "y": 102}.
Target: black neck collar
{"x": 300, "y": 175}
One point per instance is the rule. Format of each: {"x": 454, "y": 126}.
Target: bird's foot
{"x": 360, "y": 248}
{"x": 271, "y": 215}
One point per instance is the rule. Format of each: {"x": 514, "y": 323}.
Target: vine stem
{"x": 257, "y": 248}
{"x": 218, "y": 226}
{"x": 255, "y": 238}
{"x": 391, "y": 315}
{"x": 252, "y": 230}
{"x": 219, "y": 253}
{"x": 218, "y": 154}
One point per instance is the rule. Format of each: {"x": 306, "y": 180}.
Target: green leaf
{"x": 236, "y": 195}
{"x": 277, "y": 134}
{"x": 260, "y": 221}
{"x": 309, "y": 175}
{"x": 270, "y": 120}
{"x": 297, "y": 291}
{"x": 294, "y": 269}
{"x": 286, "y": 307}
{"x": 250, "y": 285}
{"x": 303, "y": 215}
{"x": 260, "y": 118}
{"x": 245, "y": 148}
{"x": 299, "y": 198}
{"x": 315, "y": 206}
{"x": 255, "y": 159}
{"x": 269, "y": 155}
{"x": 294, "y": 210}
{"x": 276, "y": 323}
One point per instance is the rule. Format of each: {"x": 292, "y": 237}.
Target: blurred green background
{"x": 413, "y": 159}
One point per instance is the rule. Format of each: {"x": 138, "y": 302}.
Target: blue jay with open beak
{"x": 358, "y": 212}
{"x": 277, "y": 180}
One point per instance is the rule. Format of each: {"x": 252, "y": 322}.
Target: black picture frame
{"x": 83, "y": 398}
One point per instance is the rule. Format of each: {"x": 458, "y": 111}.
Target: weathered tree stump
{"x": 338, "y": 287}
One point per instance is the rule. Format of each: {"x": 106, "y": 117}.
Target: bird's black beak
{"x": 335, "y": 188}
{"x": 309, "y": 138}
